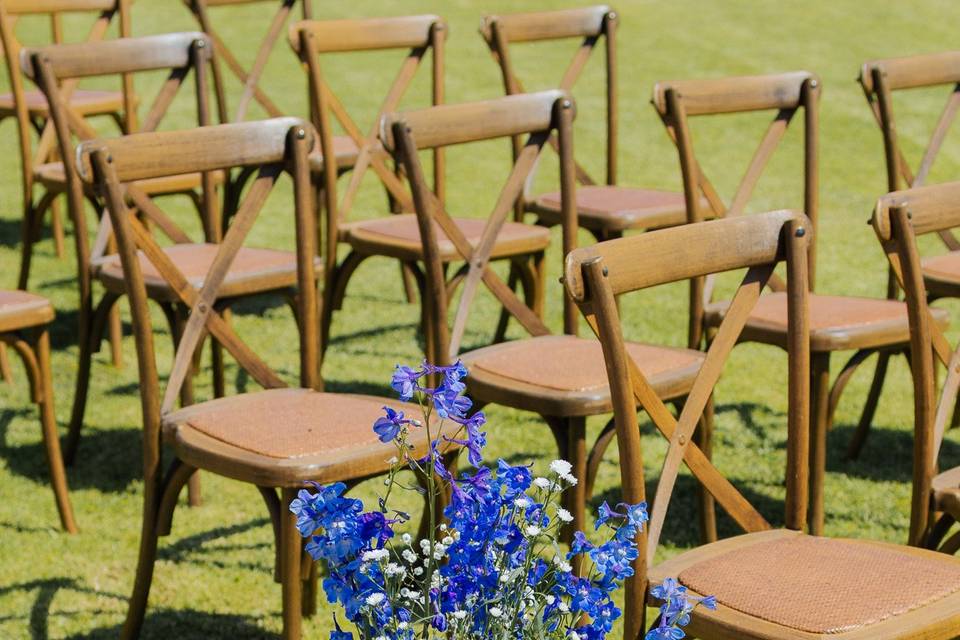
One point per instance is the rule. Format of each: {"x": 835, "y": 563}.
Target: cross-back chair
{"x": 276, "y": 438}
{"x": 29, "y": 108}
{"x": 837, "y": 323}
{"x": 769, "y": 583}
{"x": 544, "y": 373}
{"x": 359, "y": 149}
{"x": 899, "y": 219}
{"x": 52, "y": 68}
{"x": 604, "y": 208}
{"x": 249, "y": 78}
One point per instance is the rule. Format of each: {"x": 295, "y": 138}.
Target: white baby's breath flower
{"x": 565, "y": 567}
{"x": 564, "y": 515}
{"x": 447, "y": 541}
{"x": 374, "y": 599}
{"x": 573, "y": 635}
{"x": 424, "y": 544}
{"x": 459, "y": 615}
{"x": 522, "y": 502}
{"x": 532, "y": 530}
{"x": 551, "y": 599}
{"x": 402, "y": 625}
{"x": 418, "y": 571}
{"x": 561, "y": 467}
{"x": 407, "y": 538}
{"x": 542, "y": 483}
{"x": 375, "y": 555}
{"x": 394, "y": 569}
{"x": 443, "y": 526}
{"x": 562, "y": 606}
{"x": 409, "y": 556}
{"x": 496, "y": 612}
{"x": 570, "y": 479}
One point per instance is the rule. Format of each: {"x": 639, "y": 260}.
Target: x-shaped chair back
{"x": 10, "y": 11}
{"x": 785, "y": 94}
{"x": 54, "y": 66}
{"x": 536, "y": 116}
{"x": 590, "y": 24}
{"x": 417, "y": 35}
{"x": 900, "y": 217}
{"x": 250, "y": 79}
{"x": 271, "y": 148}
{"x": 879, "y": 79}
{"x": 595, "y": 275}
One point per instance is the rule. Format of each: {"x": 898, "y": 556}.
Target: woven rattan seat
{"x": 564, "y": 374}
{"x": 612, "y": 208}
{"x": 836, "y": 322}
{"x": 253, "y": 270}
{"x": 84, "y": 101}
{"x": 398, "y": 236}
{"x": 817, "y": 585}
{"x": 19, "y": 309}
{"x": 318, "y": 436}
{"x": 344, "y": 148}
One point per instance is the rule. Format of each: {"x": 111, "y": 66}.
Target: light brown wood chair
{"x": 24, "y": 318}
{"x": 52, "y": 68}
{"x": 556, "y": 376}
{"x": 249, "y": 78}
{"x": 29, "y": 108}
{"x": 360, "y": 149}
{"x": 837, "y": 323}
{"x": 769, "y": 583}
{"x": 899, "y": 219}
{"x": 276, "y": 438}
{"x": 604, "y": 208}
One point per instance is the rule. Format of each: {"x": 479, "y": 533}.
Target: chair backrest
{"x": 269, "y": 148}
{"x": 10, "y": 11}
{"x": 537, "y": 116}
{"x": 899, "y": 218}
{"x": 785, "y": 94}
{"x": 250, "y": 79}
{"x": 53, "y": 66}
{"x": 415, "y": 34}
{"x": 879, "y": 79}
{"x": 595, "y": 275}
{"x": 590, "y": 24}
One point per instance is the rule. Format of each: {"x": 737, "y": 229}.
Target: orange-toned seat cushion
{"x": 83, "y": 100}
{"x": 20, "y": 309}
{"x": 836, "y": 322}
{"x": 399, "y": 236}
{"x": 823, "y": 585}
{"x": 344, "y": 148}
{"x": 569, "y": 373}
{"x": 253, "y": 270}
{"x": 615, "y": 208}
{"x": 942, "y": 273}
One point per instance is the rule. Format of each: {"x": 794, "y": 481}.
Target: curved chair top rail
{"x": 367, "y": 34}
{"x": 123, "y": 55}
{"x": 735, "y": 94}
{"x": 908, "y": 72}
{"x": 224, "y": 3}
{"x": 548, "y": 25}
{"x": 164, "y": 153}
{"x": 685, "y": 252}
{"x": 27, "y": 7}
{"x": 930, "y": 208}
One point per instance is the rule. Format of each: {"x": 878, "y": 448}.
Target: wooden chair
{"x": 768, "y": 583}
{"x": 276, "y": 438}
{"x": 604, "y": 208}
{"x": 24, "y": 318}
{"x": 360, "y": 149}
{"x": 249, "y": 78}
{"x": 899, "y": 219}
{"x": 51, "y": 68}
{"x": 837, "y": 323}
{"x": 552, "y": 375}
{"x": 29, "y": 108}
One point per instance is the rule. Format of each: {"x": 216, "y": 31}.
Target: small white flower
{"x": 402, "y": 625}
{"x": 504, "y": 578}
{"x": 439, "y": 548}
{"x": 418, "y": 571}
{"x": 542, "y": 483}
{"x": 443, "y": 526}
{"x": 407, "y": 538}
{"x": 447, "y": 541}
{"x": 409, "y": 556}
{"x": 532, "y": 530}
{"x": 571, "y": 479}
{"x": 424, "y": 544}
{"x": 522, "y": 502}
{"x": 404, "y": 592}
{"x": 394, "y": 569}
{"x": 563, "y": 607}
{"x": 561, "y": 467}
{"x": 574, "y": 635}
{"x": 565, "y": 567}
{"x": 564, "y": 515}
{"x": 459, "y": 615}
{"x": 375, "y": 555}
{"x": 496, "y": 612}
{"x": 374, "y": 599}
{"x": 551, "y": 599}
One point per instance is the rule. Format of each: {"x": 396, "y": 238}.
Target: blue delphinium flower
{"x": 388, "y": 426}
{"x": 514, "y": 480}
{"x": 405, "y": 380}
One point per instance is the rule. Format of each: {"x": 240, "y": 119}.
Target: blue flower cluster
{"x": 675, "y": 610}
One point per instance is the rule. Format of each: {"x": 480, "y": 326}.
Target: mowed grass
{"x": 214, "y": 573}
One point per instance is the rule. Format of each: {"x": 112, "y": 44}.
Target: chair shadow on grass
{"x": 887, "y": 455}
{"x": 37, "y": 620}
{"x": 193, "y": 548}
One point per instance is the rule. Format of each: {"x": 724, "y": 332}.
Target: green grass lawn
{"x": 213, "y": 577}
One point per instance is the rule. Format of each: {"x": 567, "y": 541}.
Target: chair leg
{"x": 137, "y": 607}
{"x": 290, "y": 554}
{"x": 26, "y": 246}
{"x": 409, "y": 286}
{"x": 501, "y": 332}
{"x": 56, "y": 226}
{"x": 308, "y": 603}
{"x": 179, "y": 318}
{"x": 870, "y": 408}
{"x": 6, "y": 374}
{"x": 707, "y": 510}
{"x": 115, "y": 334}
{"x": 819, "y": 400}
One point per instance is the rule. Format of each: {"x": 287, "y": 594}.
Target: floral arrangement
{"x": 491, "y": 566}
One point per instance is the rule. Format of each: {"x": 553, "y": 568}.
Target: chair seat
{"x": 253, "y": 271}
{"x": 20, "y": 310}
{"x": 565, "y": 376}
{"x": 616, "y": 209}
{"x": 785, "y": 584}
{"x": 282, "y": 437}
{"x": 941, "y": 274}
{"x": 53, "y": 176}
{"x": 836, "y": 322}
{"x": 345, "y": 150}
{"x": 398, "y": 236}
{"x": 84, "y": 101}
